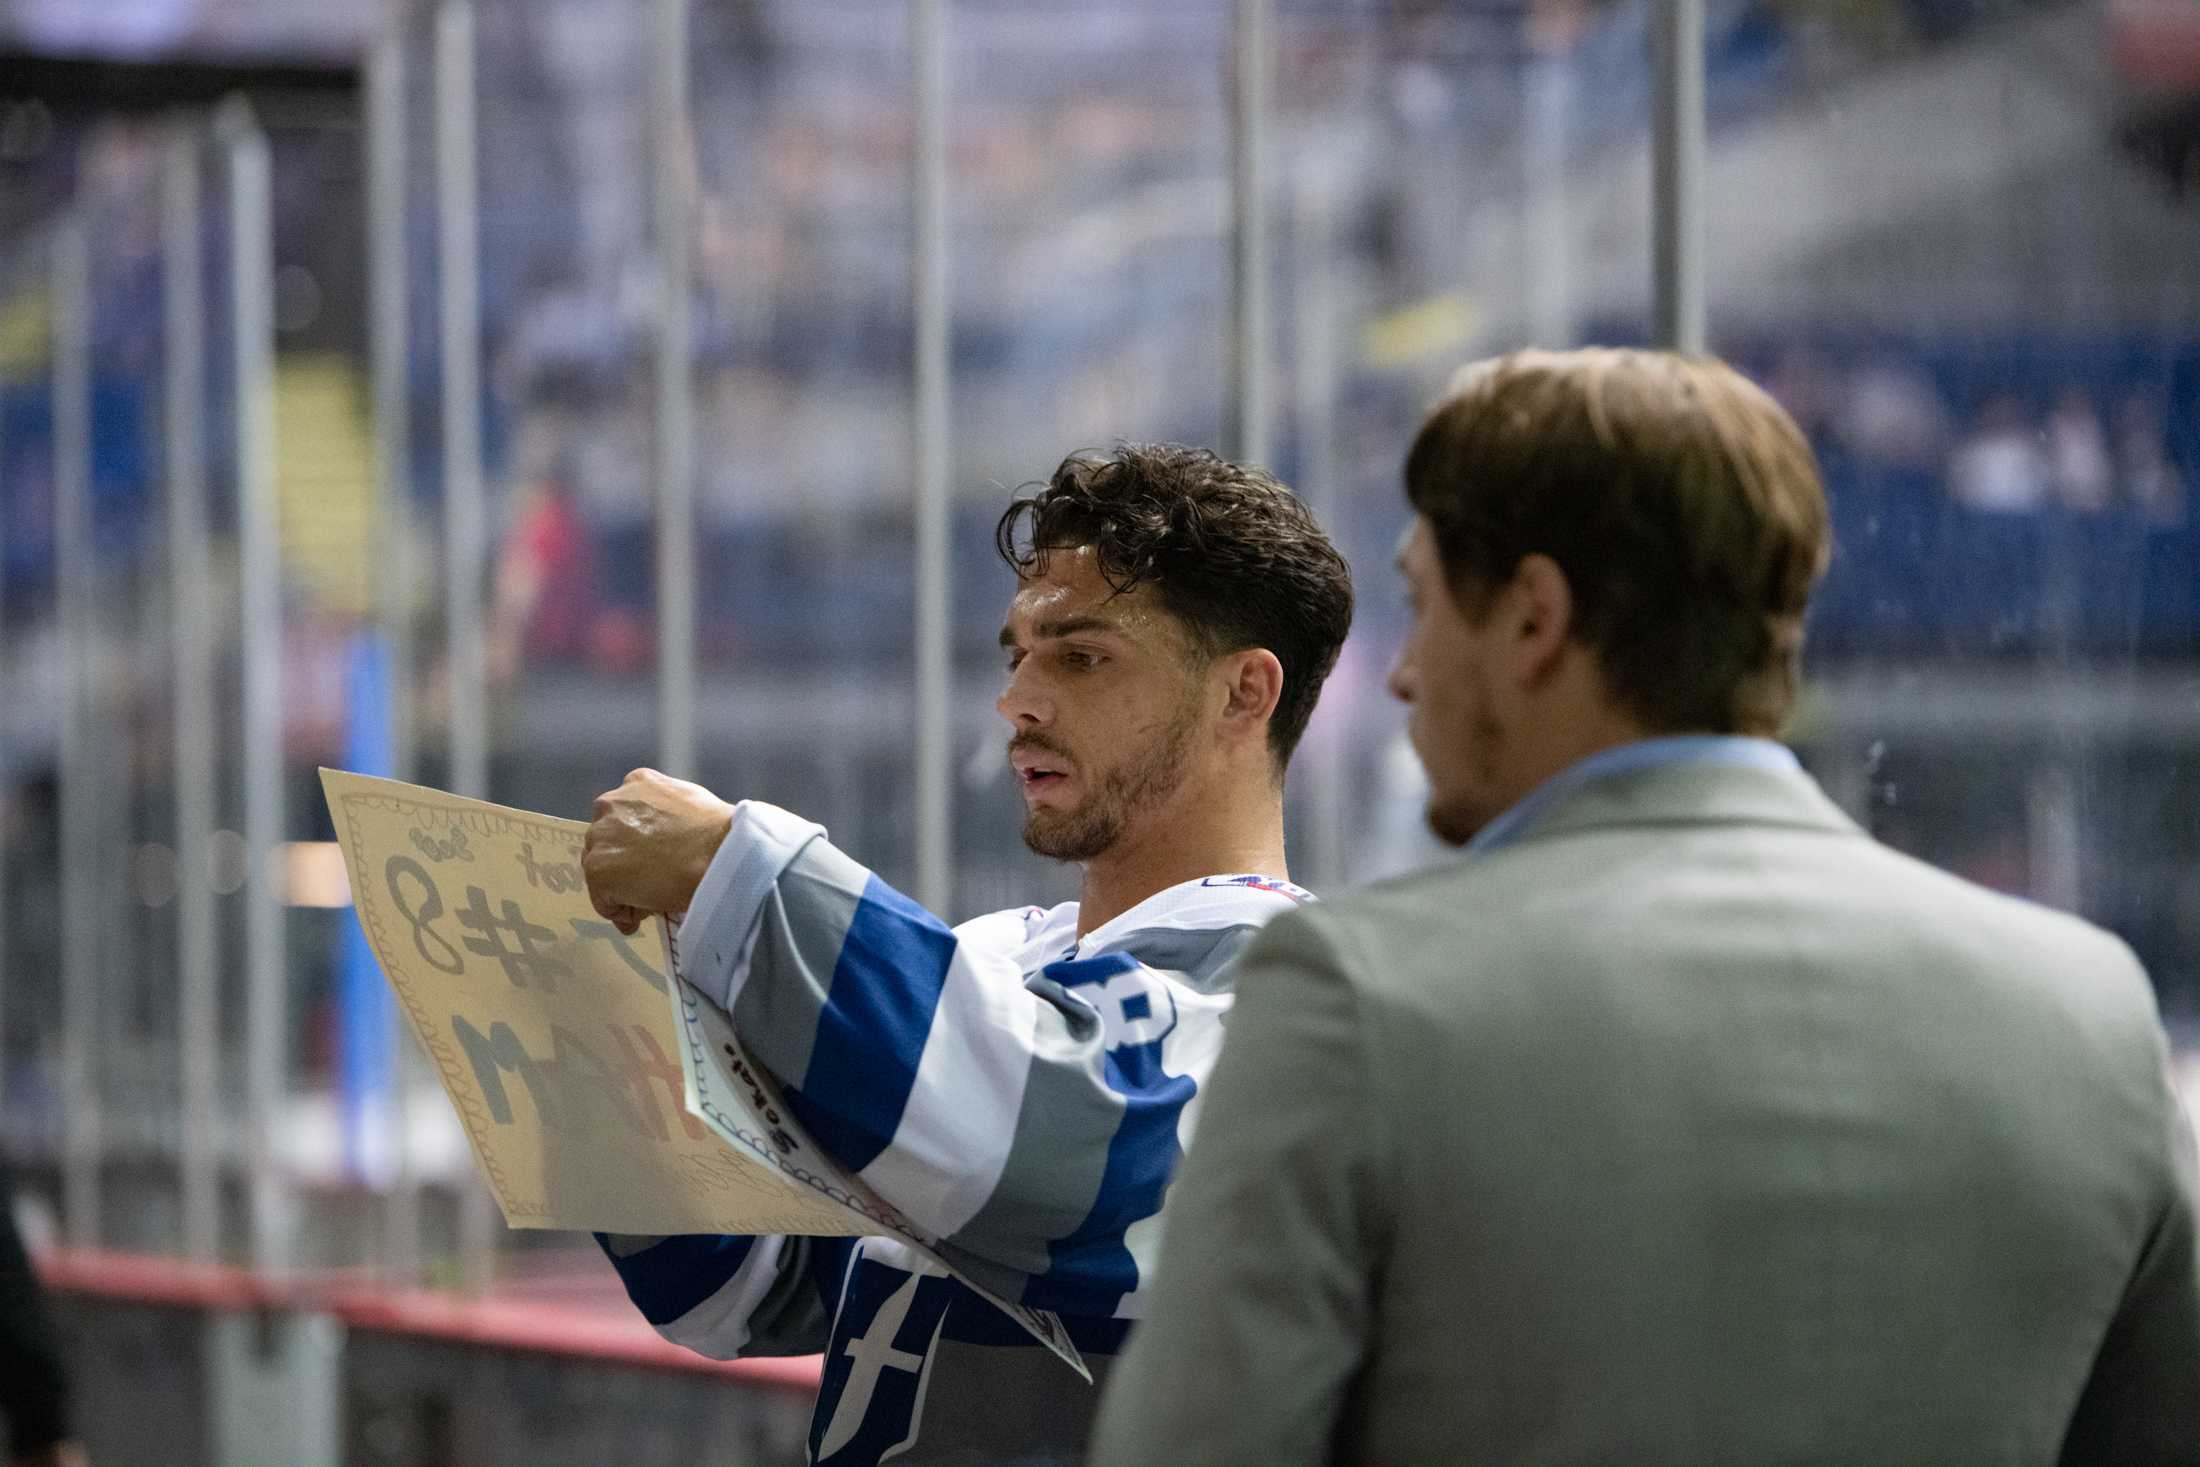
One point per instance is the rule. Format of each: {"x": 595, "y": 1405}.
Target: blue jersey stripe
{"x": 1091, "y": 1270}
{"x": 671, "y": 1277}
{"x": 1077, "y": 972}
{"x": 871, "y": 1032}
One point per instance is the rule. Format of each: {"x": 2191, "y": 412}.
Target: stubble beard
{"x": 1135, "y": 784}
{"x": 1457, "y": 820}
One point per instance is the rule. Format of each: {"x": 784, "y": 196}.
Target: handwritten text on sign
{"x": 552, "y": 1032}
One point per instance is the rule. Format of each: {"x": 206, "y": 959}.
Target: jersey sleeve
{"x": 729, "y": 1297}
{"x": 1032, "y": 1122}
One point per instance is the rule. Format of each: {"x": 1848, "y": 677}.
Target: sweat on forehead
{"x": 1045, "y": 607}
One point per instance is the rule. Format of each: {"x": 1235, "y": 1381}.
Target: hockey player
{"x": 1021, "y": 1085}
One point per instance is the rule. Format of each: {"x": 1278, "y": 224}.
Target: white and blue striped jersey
{"x": 1021, "y": 1093}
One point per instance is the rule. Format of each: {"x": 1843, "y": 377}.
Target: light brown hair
{"x": 1682, "y": 503}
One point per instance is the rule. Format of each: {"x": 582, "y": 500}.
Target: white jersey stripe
{"x": 960, "y": 1123}
{"x": 719, "y": 1326}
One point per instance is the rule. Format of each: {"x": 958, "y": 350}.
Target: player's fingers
{"x": 627, "y": 920}
{"x": 599, "y": 896}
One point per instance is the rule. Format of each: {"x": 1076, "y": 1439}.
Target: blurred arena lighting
{"x": 1441, "y": 325}
{"x": 313, "y": 874}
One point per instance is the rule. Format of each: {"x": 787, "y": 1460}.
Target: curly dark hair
{"x": 1230, "y": 551}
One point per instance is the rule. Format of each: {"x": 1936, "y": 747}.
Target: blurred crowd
{"x": 2095, "y": 444}
{"x": 2025, "y": 490}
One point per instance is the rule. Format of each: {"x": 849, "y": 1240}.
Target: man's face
{"x": 1446, "y": 674}
{"x": 1106, "y": 703}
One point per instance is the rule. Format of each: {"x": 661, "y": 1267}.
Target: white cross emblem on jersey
{"x": 872, "y": 1353}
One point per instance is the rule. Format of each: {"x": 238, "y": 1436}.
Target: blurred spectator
{"x": 34, "y": 1385}
{"x": 1892, "y": 416}
{"x": 545, "y": 595}
{"x": 1802, "y": 382}
{"x": 2077, "y": 454}
{"x": 2149, "y": 481}
{"x": 2001, "y": 861}
{"x": 739, "y": 412}
{"x": 2000, "y": 466}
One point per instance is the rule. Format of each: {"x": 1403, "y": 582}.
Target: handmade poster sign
{"x": 548, "y": 1027}
{"x": 598, "y": 1092}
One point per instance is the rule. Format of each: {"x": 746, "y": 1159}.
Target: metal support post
{"x": 465, "y": 517}
{"x": 8, "y": 794}
{"x": 929, "y": 289}
{"x": 1253, "y": 59}
{"x": 389, "y": 270}
{"x": 198, "y": 1029}
{"x": 82, "y": 878}
{"x": 675, "y": 506}
{"x": 1677, "y": 201}
{"x": 390, "y": 334}
{"x": 259, "y": 536}
{"x": 1315, "y": 255}
{"x": 1545, "y": 149}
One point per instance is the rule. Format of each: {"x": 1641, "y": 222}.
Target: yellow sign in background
{"x": 553, "y": 1033}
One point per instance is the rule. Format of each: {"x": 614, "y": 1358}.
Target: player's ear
{"x": 1254, "y": 685}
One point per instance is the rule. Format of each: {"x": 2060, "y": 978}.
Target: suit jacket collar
{"x": 1691, "y": 794}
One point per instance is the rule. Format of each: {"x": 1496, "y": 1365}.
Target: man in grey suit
{"x": 1681, "y": 1122}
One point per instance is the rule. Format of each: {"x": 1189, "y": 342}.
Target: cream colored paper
{"x": 553, "y": 1034}
{"x": 599, "y": 1093}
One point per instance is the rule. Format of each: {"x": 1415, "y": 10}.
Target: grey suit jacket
{"x": 1692, "y": 1127}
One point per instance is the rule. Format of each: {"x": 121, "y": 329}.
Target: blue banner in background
{"x": 366, "y": 1018}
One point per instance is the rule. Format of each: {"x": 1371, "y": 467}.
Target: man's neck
{"x": 1563, "y": 736}
{"x": 1182, "y": 846}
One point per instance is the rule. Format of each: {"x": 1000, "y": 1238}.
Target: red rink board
{"x": 526, "y": 1326}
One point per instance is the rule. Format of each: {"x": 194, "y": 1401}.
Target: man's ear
{"x": 1539, "y": 608}
{"x": 1253, "y": 687}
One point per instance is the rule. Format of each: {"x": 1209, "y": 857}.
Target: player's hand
{"x": 650, "y": 843}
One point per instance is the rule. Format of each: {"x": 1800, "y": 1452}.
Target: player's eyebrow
{"x": 1065, "y": 626}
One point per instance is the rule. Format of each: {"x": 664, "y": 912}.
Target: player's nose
{"x": 1022, "y": 704}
